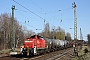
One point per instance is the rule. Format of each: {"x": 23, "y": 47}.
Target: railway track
{"x": 53, "y": 55}
{"x": 57, "y": 55}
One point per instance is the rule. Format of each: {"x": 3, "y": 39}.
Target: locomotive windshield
{"x": 37, "y": 36}
{"x": 32, "y": 36}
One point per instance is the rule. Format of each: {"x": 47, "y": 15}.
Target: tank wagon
{"x": 49, "y": 45}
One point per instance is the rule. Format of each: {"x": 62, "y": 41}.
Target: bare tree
{"x": 6, "y": 31}
{"x": 68, "y": 36}
{"x": 47, "y": 30}
{"x": 88, "y": 37}
{"x": 60, "y": 33}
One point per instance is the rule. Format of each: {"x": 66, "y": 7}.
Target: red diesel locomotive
{"x": 33, "y": 46}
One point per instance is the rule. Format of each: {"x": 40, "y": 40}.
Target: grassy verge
{"x": 82, "y": 55}
{"x": 5, "y": 51}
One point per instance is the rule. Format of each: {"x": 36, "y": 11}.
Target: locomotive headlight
{"x": 22, "y": 46}
{"x": 50, "y": 42}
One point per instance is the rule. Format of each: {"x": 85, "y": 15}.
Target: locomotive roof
{"x": 36, "y": 36}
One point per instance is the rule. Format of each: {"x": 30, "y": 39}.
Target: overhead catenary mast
{"x": 75, "y": 30}
{"x": 81, "y": 37}
{"x": 13, "y": 30}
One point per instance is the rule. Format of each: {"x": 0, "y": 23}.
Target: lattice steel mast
{"x": 75, "y": 29}
{"x": 81, "y": 37}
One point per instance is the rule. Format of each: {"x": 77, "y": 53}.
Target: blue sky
{"x": 49, "y": 10}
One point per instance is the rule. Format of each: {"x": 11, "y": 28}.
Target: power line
{"x": 66, "y": 9}
{"x": 23, "y": 16}
{"x": 29, "y": 25}
{"x": 36, "y": 5}
{"x": 40, "y": 8}
{"x": 28, "y": 9}
{"x": 43, "y": 10}
{"x": 26, "y": 21}
{"x": 21, "y": 10}
{"x": 31, "y": 11}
